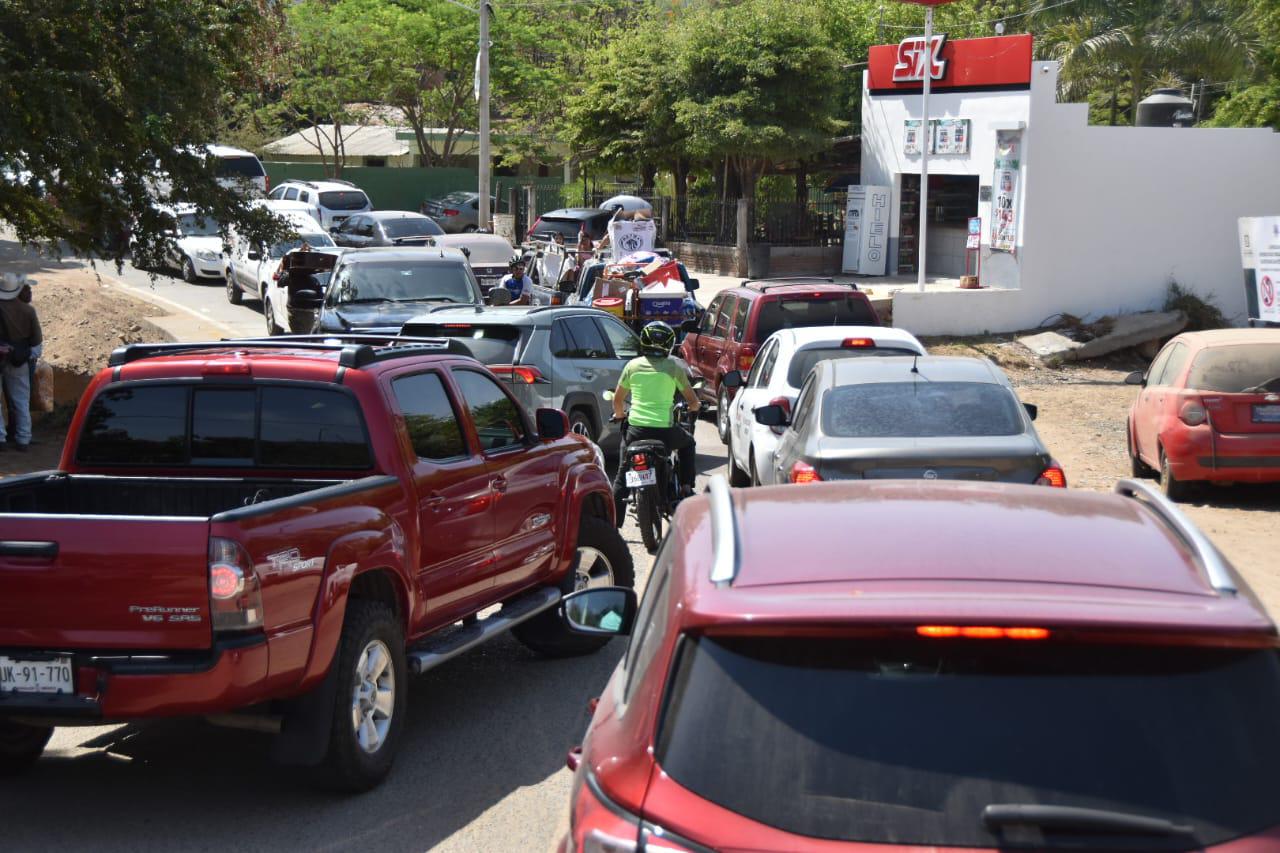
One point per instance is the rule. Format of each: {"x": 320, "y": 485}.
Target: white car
{"x": 330, "y": 202}
{"x": 488, "y": 254}
{"x": 249, "y": 270}
{"x": 196, "y": 249}
{"x": 776, "y": 376}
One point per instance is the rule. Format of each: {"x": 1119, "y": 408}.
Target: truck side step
{"x": 458, "y": 638}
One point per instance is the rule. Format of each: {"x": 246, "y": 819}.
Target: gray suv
{"x": 552, "y": 356}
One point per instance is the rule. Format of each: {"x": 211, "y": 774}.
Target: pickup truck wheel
{"x": 371, "y": 700}
{"x": 602, "y": 559}
{"x": 21, "y": 746}
{"x": 234, "y": 296}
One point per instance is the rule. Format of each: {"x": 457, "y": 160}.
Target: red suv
{"x": 1044, "y": 669}
{"x": 1209, "y": 411}
{"x": 740, "y": 320}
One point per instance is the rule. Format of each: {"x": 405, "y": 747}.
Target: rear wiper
{"x": 1071, "y": 819}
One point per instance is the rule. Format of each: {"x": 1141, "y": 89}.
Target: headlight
{"x": 206, "y": 255}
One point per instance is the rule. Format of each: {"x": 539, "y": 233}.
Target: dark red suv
{"x": 995, "y": 666}
{"x": 739, "y": 320}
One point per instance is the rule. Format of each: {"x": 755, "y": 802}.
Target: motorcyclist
{"x": 651, "y": 382}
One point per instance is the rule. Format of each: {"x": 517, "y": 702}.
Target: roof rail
{"x": 764, "y": 285}
{"x": 354, "y": 350}
{"x": 338, "y": 181}
{"x": 724, "y": 534}
{"x": 1215, "y": 568}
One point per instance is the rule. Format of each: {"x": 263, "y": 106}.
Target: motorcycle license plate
{"x": 635, "y": 479}
{"x": 53, "y": 675}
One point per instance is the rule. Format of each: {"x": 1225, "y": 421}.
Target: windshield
{"x": 778, "y": 314}
{"x": 804, "y": 360}
{"x": 195, "y": 225}
{"x": 407, "y": 281}
{"x": 1232, "y": 369}
{"x": 906, "y": 742}
{"x": 239, "y": 167}
{"x": 411, "y": 226}
{"x": 315, "y": 241}
{"x": 920, "y": 409}
{"x": 488, "y": 343}
{"x": 344, "y": 200}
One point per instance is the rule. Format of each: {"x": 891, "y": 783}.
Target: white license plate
{"x": 641, "y": 478}
{"x": 1266, "y": 414}
{"x": 35, "y": 676}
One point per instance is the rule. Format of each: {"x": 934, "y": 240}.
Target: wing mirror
{"x": 552, "y": 424}
{"x": 692, "y": 284}
{"x": 333, "y": 229}
{"x": 690, "y": 325}
{"x": 732, "y": 379}
{"x": 1136, "y": 378}
{"x": 1032, "y": 410}
{"x": 605, "y": 611}
{"x": 772, "y": 415}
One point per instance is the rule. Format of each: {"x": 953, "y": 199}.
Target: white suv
{"x": 331, "y": 202}
{"x": 775, "y": 379}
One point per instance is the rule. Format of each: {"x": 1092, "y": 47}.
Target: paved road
{"x": 207, "y": 299}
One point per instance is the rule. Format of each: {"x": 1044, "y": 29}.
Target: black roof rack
{"x": 354, "y": 350}
{"x": 764, "y": 285}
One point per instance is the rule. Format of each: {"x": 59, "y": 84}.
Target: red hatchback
{"x": 1041, "y": 669}
{"x": 1209, "y": 411}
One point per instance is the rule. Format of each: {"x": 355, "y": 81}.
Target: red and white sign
{"x": 985, "y": 64}
{"x": 912, "y": 58}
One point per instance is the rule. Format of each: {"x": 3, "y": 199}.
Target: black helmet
{"x": 657, "y": 338}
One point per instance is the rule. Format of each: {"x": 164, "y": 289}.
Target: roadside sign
{"x": 866, "y": 230}
{"x": 974, "y": 240}
{"x": 1260, "y": 257}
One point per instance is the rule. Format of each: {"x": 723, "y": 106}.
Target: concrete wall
{"x": 1109, "y": 216}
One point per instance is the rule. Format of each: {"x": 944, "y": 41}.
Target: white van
{"x": 239, "y": 168}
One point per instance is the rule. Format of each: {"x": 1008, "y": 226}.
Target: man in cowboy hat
{"x": 20, "y": 330}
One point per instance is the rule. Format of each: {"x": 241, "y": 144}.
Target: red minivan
{"x": 739, "y": 320}
{"x": 1209, "y": 411}
{"x": 995, "y": 667}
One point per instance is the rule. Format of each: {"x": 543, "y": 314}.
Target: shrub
{"x": 1201, "y": 312}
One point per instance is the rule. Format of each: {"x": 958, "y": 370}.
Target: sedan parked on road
{"x": 776, "y": 377}
{"x": 457, "y": 212}
{"x": 385, "y": 228}
{"x": 1209, "y": 411}
{"x": 930, "y": 417}
{"x": 196, "y": 247}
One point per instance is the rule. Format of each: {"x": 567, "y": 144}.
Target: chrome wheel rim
{"x": 373, "y": 696}
{"x": 593, "y": 569}
{"x": 269, "y": 313}
{"x": 580, "y": 427}
{"x": 722, "y": 414}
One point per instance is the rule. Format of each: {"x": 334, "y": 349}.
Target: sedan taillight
{"x": 1052, "y": 476}
{"x": 235, "y": 592}
{"x": 803, "y": 472}
{"x": 1193, "y": 412}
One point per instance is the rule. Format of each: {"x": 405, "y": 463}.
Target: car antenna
{"x": 914, "y": 362}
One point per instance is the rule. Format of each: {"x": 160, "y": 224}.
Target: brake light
{"x": 449, "y": 212}
{"x": 1193, "y": 412}
{"x": 235, "y": 592}
{"x": 518, "y": 372}
{"x": 746, "y": 358}
{"x": 981, "y": 632}
{"x": 595, "y": 827}
{"x": 857, "y": 343}
{"x": 227, "y": 368}
{"x": 1052, "y": 476}
{"x": 639, "y": 462}
{"x": 457, "y": 325}
{"x": 803, "y": 472}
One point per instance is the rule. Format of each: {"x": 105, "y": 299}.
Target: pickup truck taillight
{"x": 235, "y": 593}
{"x": 746, "y": 357}
{"x": 803, "y": 472}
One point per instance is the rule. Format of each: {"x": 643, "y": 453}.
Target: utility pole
{"x": 922, "y": 239}
{"x": 483, "y": 218}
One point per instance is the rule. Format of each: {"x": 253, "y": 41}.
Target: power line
{"x": 993, "y": 20}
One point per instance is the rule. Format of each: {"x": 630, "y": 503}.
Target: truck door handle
{"x": 499, "y": 484}
{"x": 433, "y": 500}
{"x": 587, "y": 374}
{"x": 42, "y": 550}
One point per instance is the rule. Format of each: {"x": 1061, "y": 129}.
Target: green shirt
{"x": 653, "y": 383}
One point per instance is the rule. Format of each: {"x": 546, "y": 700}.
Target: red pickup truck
{"x": 276, "y": 534}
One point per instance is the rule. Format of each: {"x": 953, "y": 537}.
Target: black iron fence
{"x": 817, "y": 221}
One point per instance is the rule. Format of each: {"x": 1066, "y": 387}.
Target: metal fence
{"x": 818, "y": 221}
{"x": 704, "y": 220}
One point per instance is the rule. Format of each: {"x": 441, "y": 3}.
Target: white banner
{"x": 627, "y": 236}
{"x": 866, "y": 230}
{"x": 1265, "y": 239}
{"x": 1004, "y": 200}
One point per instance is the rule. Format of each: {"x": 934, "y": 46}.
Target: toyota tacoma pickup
{"x": 277, "y": 533}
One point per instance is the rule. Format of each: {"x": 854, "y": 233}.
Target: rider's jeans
{"x": 672, "y": 437}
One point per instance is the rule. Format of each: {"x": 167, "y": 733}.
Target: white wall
{"x": 1109, "y": 217}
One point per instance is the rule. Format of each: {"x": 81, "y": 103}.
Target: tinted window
{"x": 907, "y": 742}
{"x": 582, "y": 339}
{"x": 624, "y": 342}
{"x": 136, "y": 426}
{"x": 239, "y": 167}
{"x": 1236, "y": 368}
{"x": 223, "y": 426}
{"x": 766, "y": 372}
{"x": 488, "y": 343}
{"x": 712, "y": 313}
{"x": 411, "y": 226}
{"x": 778, "y": 314}
{"x": 567, "y": 228}
{"x": 433, "y": 425}
{"x": 804, "y": 360}
{"x": 344, "y": 200}
{"x": 496, "y": 416}
{"x": 311, "y": 428}
{"x": 1178, "y": 355}
{"x": 277, "y": 193}
{"x": 740, "y": 319}
{"x": 291, "y": 194}
{"x": 753, "y": 378}
{"x": 920, "y": 409}
{"x": 726, "y": 316}
{"x": 407, "y": 281}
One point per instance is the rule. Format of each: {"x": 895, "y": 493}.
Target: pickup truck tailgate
{"x": 75, "y": 582}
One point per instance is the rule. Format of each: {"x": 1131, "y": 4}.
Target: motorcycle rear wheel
{"x": 649, "y": 517}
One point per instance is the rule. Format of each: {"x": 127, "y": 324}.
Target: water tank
{"x": 1165, "y": 108}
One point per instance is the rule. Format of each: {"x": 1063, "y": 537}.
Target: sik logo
{"x": 912, "y": 56}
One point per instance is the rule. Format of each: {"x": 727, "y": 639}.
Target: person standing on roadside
{"x": 20, "y": 331}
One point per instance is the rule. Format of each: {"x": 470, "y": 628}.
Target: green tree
{"x": 104, "y": 99}
{"x": 1257, "y": 104}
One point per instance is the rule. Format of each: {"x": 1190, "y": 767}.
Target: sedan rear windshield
{"x": 411, "y": 226}
{"x": 408, "y": 281}
{"x": 272, "y": 426}
{"x": 804, "y": 360}
{"x": 1233, "y": 369}
{"x": 920, "y": 409}
{"x": 907, "y": 742}
{"x": 794, "y": 313}
{"x": 344, "y": 200}
{"x": 569, "y": 228}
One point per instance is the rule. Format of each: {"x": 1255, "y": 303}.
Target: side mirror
{"x": 1032, "y": 410}
{"x": 604, "y": 611}
{"x": 692, "y": 284}
{"x": 732, "y": 379}
{"x": 1136, "y": 378}
{"x": 306, "y": 300}
{"x": 689, "y": 326}
{"x": 255, "y": 256}
{"x": 465, "y": 251}
{"x": 552, "y": 424}
{"x": 772, "y": 416}
{"x": 333, "y": 229}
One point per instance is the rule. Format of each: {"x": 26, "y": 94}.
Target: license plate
{"x": 1266, "y": 414}
{"x": 35, "y": 676}
{"x": 636, "y": 479}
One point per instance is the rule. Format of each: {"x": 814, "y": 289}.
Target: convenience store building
{"x": 1073, "y": 218}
